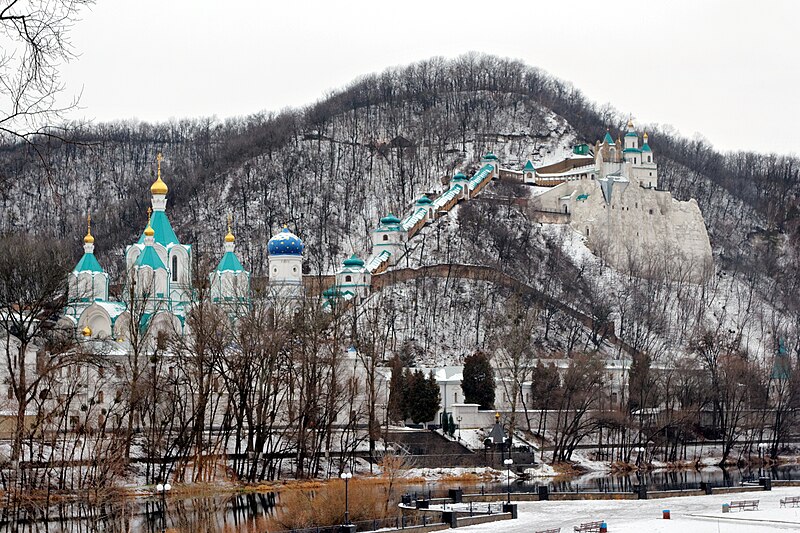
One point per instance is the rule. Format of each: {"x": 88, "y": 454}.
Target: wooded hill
{"x": 332, "y": 169}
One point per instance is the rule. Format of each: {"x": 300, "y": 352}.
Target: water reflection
{"x": 655, "y": 480}
{"x": 242, "y": 512}
{"x": 256, "y": 512}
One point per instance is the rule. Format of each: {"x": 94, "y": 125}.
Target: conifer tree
{"x": 478, "y": 381}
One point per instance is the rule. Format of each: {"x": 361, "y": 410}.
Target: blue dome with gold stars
{"x": 285, "y": 243}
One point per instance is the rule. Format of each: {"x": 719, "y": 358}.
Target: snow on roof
{"x": 378, "y": 260}
{"x": 411, "y": 220}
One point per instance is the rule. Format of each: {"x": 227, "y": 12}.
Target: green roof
{"x": 353, "y": 261}
{"x": 607, "y": 139}
{"x": 149, "y": 257}
{"x": 459, "y": 177}
{"x": 229, "y": 262}
{"x": 164, "y": 233}
{"x": 490, "y": 155}
{"x": 528, "y": 166}
{"x": 646, "y": 147}
{"x": 631, "y": 134}
{"x": 390, "y": 219}
{"x": 424, "y": 200}
{"x": 582, "y": 197}
{"x": 632, "y": 150}
{"x": 88, "y": 263}
{"x": 581, "y": 149}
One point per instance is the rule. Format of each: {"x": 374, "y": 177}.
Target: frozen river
{"x": 692, "y": 514}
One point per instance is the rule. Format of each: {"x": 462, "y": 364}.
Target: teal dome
{"x": 490, "y": 155}
{"x": 424, "y": 200}
{"x": 390, "y": 219}
{"x": 459, "y": 177}
{"x": 353, "y": 261}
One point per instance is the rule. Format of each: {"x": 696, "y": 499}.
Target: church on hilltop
{"x": 157, "y": 290}
{"x": 610, "y": 194}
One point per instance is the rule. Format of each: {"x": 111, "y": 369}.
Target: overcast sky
{"x": 727, "y": 70}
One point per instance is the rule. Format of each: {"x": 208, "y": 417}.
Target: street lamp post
{"x": 508, "y": 462}
{"x": 162, "y": 491}
{"x": 761, "y": 455}
{"x": 346, "y": 475}
{"x": 458, "y": 418}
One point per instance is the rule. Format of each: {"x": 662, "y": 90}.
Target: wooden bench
{"x": 794, "y": 501}
{"x": 745, "y": 505}
{"x": 588, "y": 527}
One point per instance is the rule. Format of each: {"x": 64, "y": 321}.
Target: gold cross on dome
{"x": 159, "y": 157}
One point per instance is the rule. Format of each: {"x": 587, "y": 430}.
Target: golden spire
{"x": 158, "y": 186}
{"x": 630, "y": 122}
{"x": 149, "y": 231}
{"x": 88, "y": 239}
{"x": 87, "y": 331}
{"x": 645, "y": 136}
{"x": 229, "y": 237}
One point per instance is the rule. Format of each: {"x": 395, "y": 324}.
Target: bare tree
{"x": 35, "y": 45}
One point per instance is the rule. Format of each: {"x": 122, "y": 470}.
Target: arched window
{"x": 348, "y": 278}
{"x": 174, "y": 268}
{"x": 385, "y": 237}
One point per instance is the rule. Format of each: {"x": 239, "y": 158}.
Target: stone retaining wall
{"x": 483, "y": 519}
{"x": 572, "y": 496}
{"x": 656, "y": 494}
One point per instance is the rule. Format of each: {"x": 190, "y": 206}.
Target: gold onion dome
{"x": 158, "y": 186}
{"x": 87, "y": 331}
{"x": 88, "y": 239}
{"x": 229, "y": 237}
{"x": 149, "y": 231}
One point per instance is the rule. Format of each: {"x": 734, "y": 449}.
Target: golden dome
{"x": 87, "y": 331}
{"x": 149, "y": 231}
{"x": 630, "y": 122}
{"x": 229, "y": 237}
{"x": 645, "y": 136}
{"x": 88, "y": 239}
{"x": 158, "y": 186}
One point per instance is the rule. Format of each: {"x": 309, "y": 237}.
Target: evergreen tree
{"x": 422, "y": 398}
{"x": 398, "y": 385}
{"x": 478, "y": 383}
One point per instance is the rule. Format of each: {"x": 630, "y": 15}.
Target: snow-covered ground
{"x": 697, "y": 514}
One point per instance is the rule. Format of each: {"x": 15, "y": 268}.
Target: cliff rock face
{"x": 641, "y": 230}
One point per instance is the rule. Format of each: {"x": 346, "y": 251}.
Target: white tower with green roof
{"x": 175, "y": 257}
{"x": 389, "y": 238}
{"x": 491, "y": 159}
{"x": 88, "y": 281}
{"x": 150, "y": 276}
{"x": 528, "y": 173}
{"x": 353, "y": 279}
{"x": 230, "y": 282}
